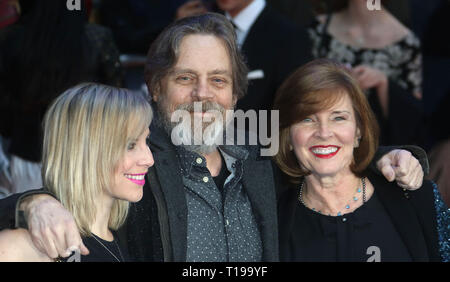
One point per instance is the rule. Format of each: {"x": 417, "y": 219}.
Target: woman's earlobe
{"x": 357, "y": 141}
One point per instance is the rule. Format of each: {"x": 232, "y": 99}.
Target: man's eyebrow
{"x": 179, "y": 71}
{"x": 216, "y": 71}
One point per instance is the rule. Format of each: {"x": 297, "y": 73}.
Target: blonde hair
{"x": 86, "y": 132}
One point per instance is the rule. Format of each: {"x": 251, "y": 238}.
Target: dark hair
{"x": 163, "y": 53}
{"x": 48, "y": 50}
{"x": 45, "y": 52}
{"x": 314, "y": 87}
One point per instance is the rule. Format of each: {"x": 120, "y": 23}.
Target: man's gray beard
{"x": 168, "y": 126}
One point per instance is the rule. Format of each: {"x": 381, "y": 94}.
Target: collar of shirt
{"x": 245, "y": 19}
{"x": 190, "y": 160}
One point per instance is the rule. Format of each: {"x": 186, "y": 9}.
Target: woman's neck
{"x": 358, "y": 13}
{"x": 330, "y": 195}
{"x": 358, "y": 26}
{"x": 101, "y": 223}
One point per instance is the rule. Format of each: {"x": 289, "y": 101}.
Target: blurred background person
{"x": 48, "y": 50}
{"x": 386, "y": 58}
{"x": 9, "y": 12}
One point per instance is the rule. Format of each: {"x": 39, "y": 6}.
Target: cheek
{"x": 125, "y": 164}
{"x": 299, "y": 138}
{"x": 175, "y": 95}
{"x": 348, "y": 135}
{"x": 226, "y": 100}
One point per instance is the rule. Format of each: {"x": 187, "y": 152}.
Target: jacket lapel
{"x": 168, "y": 174}
{"x": 259, "y": 185}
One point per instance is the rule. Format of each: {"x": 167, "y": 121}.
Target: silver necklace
{"x": 117, "y": 246}
{"x": 363, "y": 181}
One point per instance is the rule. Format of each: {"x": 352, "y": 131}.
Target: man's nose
{"x": 202, "y": 91}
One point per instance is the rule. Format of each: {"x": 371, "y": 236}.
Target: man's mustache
{"x": 203, "y": 107}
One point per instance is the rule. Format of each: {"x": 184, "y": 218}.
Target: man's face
{"x": 202, "y": 74}
{"x": 233, "y": 7}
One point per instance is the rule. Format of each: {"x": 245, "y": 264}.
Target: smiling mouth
{"x": 138, "y": 179}
{"x": 324, "y": 152}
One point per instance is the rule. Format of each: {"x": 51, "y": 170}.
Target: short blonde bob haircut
{"x": 312, "y": 88}
{"x": 86, "y": 132}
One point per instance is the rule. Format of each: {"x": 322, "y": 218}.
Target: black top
{"x": 393, "y": 225}
{"x": 367, "y": 234}
{"x": 222, "y": 177}
{"x": 101, "y": 251}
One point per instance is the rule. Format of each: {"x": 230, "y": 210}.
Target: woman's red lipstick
{"x": 324, "y": 152}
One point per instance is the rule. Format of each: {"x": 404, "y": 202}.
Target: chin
{"x": 136, "y": 197}
{"x": 325, "y": 171}
{"x": 133, "y": 197}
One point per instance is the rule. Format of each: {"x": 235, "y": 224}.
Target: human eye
{"x": 340, "y": 118}
{"x": 131, "y": 146}
{"x": 307, "y": 120}
{"x": 219, "y": 81}
{"x": 184, "y": 78}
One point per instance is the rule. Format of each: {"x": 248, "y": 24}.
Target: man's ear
{"x": 156, "y": 92}
{"x": 235, "y": 99}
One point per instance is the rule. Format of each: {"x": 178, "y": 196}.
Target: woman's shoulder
{"x": 401, "y": 33}
{"x": 16, "y": 245}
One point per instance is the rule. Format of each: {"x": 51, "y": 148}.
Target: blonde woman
{"x": 95, "y": 157}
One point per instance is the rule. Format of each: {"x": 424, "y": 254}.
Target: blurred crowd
{"x": 399, "y": 54}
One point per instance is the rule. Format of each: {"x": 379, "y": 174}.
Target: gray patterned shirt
{"x": 220, "y": 228}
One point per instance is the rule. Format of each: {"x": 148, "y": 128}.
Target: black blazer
{"x": 412, "y": 213}
{"x": 277, "y": 47}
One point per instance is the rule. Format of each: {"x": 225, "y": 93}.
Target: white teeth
{"x": 324, "y": 151}
{"x": 135, "y": 177}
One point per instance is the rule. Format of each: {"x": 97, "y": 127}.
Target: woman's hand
{"x": 369, "y": 77}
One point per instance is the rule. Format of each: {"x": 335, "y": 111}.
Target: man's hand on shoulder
{"x": 52, "y": 228}
{"x": 403, "y": 167}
